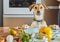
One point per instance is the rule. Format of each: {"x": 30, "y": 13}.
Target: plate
{"x": 31, "y": 30}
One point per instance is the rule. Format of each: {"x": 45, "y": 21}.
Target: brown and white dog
{"x": 38, "y": 11}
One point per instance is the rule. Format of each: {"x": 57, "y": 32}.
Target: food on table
{"x": 20, "y": 40}
{"x": 16, "y": 39}
{"x": 2, "y": 39}
{"x": 1, "y": 30}
{"x": 9, "y": 38}
{"x": 47, "y": 31}
{"x": 12, "y": 32}
{"x": 24, "y": 37}
{"x": 20, "y": 31}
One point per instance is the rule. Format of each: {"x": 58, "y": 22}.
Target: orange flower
{"x": 47, "y": 31}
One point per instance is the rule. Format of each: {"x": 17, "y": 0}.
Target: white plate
{"x": 31, "y": 30}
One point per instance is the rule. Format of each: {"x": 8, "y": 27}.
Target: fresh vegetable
{"x": 18, "y": 40}
{"x": 24, "y": 37}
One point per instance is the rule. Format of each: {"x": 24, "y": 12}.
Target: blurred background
{"x": 21, "y": 3}
{"x": 1, "y": 13}
{"x": 51, "y": 16}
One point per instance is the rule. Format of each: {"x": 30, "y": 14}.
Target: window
{"x": 19, "y": 8}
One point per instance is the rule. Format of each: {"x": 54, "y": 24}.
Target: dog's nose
{"x": 38, "y": 11}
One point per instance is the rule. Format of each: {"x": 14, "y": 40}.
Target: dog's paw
{"x": 25, "y": 26}
{"x": 54, "y": 26}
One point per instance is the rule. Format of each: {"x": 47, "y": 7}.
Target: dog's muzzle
{"x": 38, "y": 12}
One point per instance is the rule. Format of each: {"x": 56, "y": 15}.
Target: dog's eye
{"x": 41, "y": 7}
{"x": 35, "y": 7}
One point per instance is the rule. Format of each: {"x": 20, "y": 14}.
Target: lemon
{"x": 12, "y": 32}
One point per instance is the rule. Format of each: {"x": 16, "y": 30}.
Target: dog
{"x": 38, "y": 11}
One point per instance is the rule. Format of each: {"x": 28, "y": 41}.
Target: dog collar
{"x": 38, "y": 20}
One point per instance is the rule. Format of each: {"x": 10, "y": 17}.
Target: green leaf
{"x": 24, "y": 41}
{"x": 20, "y": 36}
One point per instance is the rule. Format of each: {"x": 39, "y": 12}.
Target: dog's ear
{"x": 31, "y": 6}
{"x": 45, "y": 6}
